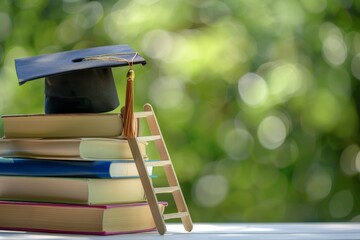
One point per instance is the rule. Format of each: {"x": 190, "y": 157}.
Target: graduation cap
{"x": 80, "y": 81}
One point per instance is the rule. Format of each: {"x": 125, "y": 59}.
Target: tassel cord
{"x": 129, "y": 129}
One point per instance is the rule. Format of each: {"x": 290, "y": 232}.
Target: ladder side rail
{"x": 147, "y": 185}
{"x": 169, "y": 169}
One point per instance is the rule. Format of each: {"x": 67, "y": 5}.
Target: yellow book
{"x": 69, "y": 149}
{"x": 91, "y": 191}
{"x": 62, "y": 125}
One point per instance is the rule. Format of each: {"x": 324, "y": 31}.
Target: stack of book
{"x": 70, "y": 173}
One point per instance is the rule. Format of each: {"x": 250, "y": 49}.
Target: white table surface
{"x": 224, "y": 231}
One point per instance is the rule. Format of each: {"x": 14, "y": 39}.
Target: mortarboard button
{"x": 78, "y": 81}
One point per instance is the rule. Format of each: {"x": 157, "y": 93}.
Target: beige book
{"x": 62, "y": 125}
{"x": 71, "y": 149}
{"x": 69, "y": 218}
{"x": 92, "y": 191}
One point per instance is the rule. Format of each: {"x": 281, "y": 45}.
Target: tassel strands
{"x": 129, "y": 130}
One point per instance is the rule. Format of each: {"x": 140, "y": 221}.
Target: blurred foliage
{"x": 258, "y": 100}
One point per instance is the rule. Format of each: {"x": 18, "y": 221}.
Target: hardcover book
{"x": 92, "y": 191}
{"x": 62, "y": 125}
{"x": 80, "y": 219}
{"x": 60, "y": 168}
{"x": 69, "y": 149}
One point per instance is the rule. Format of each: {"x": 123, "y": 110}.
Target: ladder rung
{"x": 148, "y": 138}
{"x": 143, "y": 114}
{"x": 158, "y": 163}
{"x": 175, "y": 215}
{"x": 166, "y": 189}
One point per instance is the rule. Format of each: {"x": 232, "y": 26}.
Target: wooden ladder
{"x": 164, "y": 162}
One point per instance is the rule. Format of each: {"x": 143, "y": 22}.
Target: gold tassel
{"x": 129, "y": 130}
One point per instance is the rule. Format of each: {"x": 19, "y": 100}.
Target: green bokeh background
{"x": 258, "y": 101}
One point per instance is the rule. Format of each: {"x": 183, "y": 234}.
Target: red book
{"x": 79, "y": 219}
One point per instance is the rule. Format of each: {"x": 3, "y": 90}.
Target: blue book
{"x": 67, "y": 168}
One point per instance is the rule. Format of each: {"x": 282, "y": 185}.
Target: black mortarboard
{"x": 78, "y": 81}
